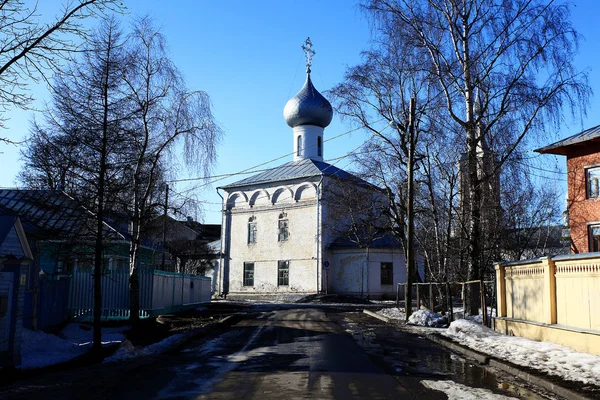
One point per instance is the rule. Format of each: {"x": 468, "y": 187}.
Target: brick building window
{"x": 248, "y": 274}
{"x": 283, "y": 273}
{"x": 592, "y": 178}
{"x": 387, "y": 273}
{"x": 594, "y": 236}
{"x": 252, "y": 231}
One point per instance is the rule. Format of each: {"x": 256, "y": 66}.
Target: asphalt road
{"x": 281, "y": 352}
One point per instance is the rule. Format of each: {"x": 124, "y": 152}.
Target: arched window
{"x": 298, "y": 145}
{"x": 320, "y": 146}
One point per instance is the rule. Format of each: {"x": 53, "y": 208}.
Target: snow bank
{"x": 456, "y": 391}
{"x": 428, "y": 318}
{"x": 544, "y": 356}
{"x": 41, "y": 349}
{"x": 392, "y": 313}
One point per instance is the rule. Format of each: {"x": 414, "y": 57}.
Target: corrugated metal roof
{"x": 305, "y": 168}
{"x": 48, "y": 213}
{"x": 560, "y": 147}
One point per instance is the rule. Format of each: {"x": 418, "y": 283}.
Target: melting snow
{"x": 393, "y": 313}
{"x": 544, "y": 356}
{"x": 428, "y": 318}
{"x": 40, "y": 349}
{"x": 456, "y": 391}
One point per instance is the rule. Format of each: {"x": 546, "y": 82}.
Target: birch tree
{"x": 515, "y": 56}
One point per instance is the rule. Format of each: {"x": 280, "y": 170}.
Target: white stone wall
{"x": 264, "y": 206}
{"x": 352, "y": 272}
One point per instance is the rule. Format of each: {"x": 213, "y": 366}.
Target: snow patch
{"x": 547, "y": 357}
{"x": 392, "y": 313}
{"x": 40, "y": 349}
{"x": 456, "y": 391}
{"x": 428, "y": 318}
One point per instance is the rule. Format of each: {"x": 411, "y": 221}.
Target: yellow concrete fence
{"x": 553, "y": 299}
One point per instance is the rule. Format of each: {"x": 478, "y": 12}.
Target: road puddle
{"x": 411, "y": 356}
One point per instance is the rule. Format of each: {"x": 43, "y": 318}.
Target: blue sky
{"x": 247, "y": 56}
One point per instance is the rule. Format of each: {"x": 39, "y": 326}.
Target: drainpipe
{"x": 220, "y": 287}
{"x": 319, "y": 238}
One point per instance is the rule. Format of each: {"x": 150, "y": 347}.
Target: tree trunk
{"x": 134, "y": 279}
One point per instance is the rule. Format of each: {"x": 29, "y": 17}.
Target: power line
{"x": 252, "y": 170}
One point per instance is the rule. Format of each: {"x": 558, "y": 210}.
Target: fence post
{"x": 431, "y": 301}
{"x": 398, "y": 295}
{"x": 500, "y": 290}
{"x": 450, "y": 305}
{"x": 418, "y": 298}
{"x": 483, "y": 303}
{"x": 549, "y": 291}
{"x": 464, "y": 300}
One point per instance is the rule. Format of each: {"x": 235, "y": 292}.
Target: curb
{"x": 487, "y": 360}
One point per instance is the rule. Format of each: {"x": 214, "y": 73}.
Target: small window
{"x": 298, "y": 145}
{"x": 387, "y": 273}
{"x": 594, "y": 235}
{"x": 283, "y": 230}
{"x": 592, "y": 176}
{"x": 320, "y": 146}
{"x": 248, "y": 274}
{"x": 283, "y": 273}
{"x": 252, "y": 232}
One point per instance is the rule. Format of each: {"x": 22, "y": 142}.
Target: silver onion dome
{"x": 308, "y": 107}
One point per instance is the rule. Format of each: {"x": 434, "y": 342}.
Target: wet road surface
{"x": 282, "y": 352}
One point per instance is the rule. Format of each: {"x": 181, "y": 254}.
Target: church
{"x": 307, "y": 226}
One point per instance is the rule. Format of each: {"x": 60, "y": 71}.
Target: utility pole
{"x": 164, "y": 236}
{"x": 410, "y": 251}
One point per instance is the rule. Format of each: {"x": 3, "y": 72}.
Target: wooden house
{"x": 15, "y": 266}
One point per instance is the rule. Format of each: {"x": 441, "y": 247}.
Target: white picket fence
{"x": 160, "y": 292}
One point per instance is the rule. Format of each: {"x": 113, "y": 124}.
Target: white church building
{"x": 279, "y": 234}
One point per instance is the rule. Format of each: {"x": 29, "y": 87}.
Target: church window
{"x": 387, "y": 273}
{"x": 283, "y": 273}
{"x": 283, "y": 230}
{"x": 248, "y": 274}
{"x": 252, "y": 232}
{"x": 298, "y": 145}
{"x": 320, "y": 146}
{"x": 592, "y": 176}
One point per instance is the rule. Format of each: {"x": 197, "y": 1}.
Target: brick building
{"x": 583, "y": 201}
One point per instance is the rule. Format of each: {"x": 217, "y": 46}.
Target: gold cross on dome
{"x": 309, "y": 53}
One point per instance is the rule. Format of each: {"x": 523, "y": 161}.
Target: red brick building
{"x": 583, "y": 202}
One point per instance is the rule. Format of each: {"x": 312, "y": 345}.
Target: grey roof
{"x": 49, "y": 213}
{"x": 308, "y": 107}
{"x": 305, "y": 168}
{"x": 560, "y": 147}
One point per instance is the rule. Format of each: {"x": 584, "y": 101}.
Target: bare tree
{"x": 167, "y": 115}
{"x": 81, "y": 143}
{"x": 31, "y": 46}
{"x": 380, "y": 89}
{"x": 515, "y": 56}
